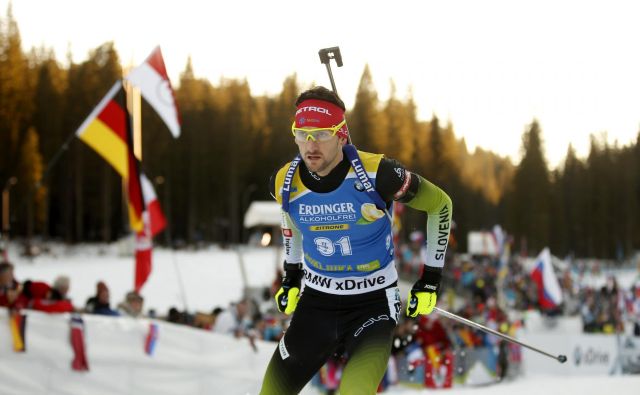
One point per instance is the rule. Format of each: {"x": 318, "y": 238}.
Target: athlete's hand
{"x": 289, "y": 293}
{"x": 287, "y": 299}
{"x": 423, "y": 295}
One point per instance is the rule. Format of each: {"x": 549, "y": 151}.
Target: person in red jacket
{"x": 430, "y": 332}
{"x": 39, "y": 297}
{"x": 34, "y": 295}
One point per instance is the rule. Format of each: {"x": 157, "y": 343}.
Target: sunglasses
{"x": 317, "y": 134}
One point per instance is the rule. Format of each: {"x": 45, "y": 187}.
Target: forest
{"x": 232, "y": 141}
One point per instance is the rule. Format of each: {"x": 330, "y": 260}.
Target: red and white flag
{"x": 157, "y": 220}
{"x": 144, "y": 248}
{"x": 80, "y": 362}
{"x": 152, "y": 80}
{"x": 154, "y": 222}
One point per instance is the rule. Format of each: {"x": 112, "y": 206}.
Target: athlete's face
{"x": 321, "y": 156}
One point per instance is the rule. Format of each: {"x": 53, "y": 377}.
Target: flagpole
{"x": 54, "y": 160}
{"x": 163, "y": 182}
{"x": 136, "y": 113}
{"x": 126, "y": 85}
{"x": 134, "y": 105}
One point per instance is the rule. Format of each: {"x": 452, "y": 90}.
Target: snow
{"x": 585, "y": 385}
{"x": 213, "y": 277}
{"x": 208, "y": 278}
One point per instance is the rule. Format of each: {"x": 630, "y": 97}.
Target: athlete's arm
{"x": 291, "y": 236}
{"x": 395, "y": 182}
{"x": 291, "y": 239}
{"x": 437, "y": 204}
{"x": 289, "y": 293}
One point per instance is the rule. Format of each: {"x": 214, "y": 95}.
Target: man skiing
{"x": 336, "y": 226}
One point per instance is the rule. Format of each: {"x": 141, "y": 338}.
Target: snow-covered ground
{"x": 202, "y": 279}
{"x": 546, "y": 385}
{"x": 213, "y": 277}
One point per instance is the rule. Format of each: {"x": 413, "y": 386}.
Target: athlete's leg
{"x": 369, "y": 346}
{"x": 368, "y": 360}
{"x": 303, "y": 350}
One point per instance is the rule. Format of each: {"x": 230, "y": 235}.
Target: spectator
{"x": 231, "y": 321}
{"x": 10, "y": 289}
{"x": 60, "y": 289}
{"x": 403, "y": 335}
{"x": 635, "y": 310}
{"x": 430, "y": 332}
{"x": 175, "y": 316}
{"x": 132, "y": 305}
{"x": 99, "y": 304}
{"x": 271, "y": 329}
{"x": 38, "y": 296}
{"x": 413, "y": 256}
{"x": 610, "y": 289}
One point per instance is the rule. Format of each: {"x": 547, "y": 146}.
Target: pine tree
{"x": 396, "y": 136}
{"x": 598, "y": 201}
{"x": 280, "y": 115}
{"x": 16, "y": 108}
{"x": 90, "y": 182}
{"x": 17, "y": 85}
{"x": 364, "y": 119}
{"x": 238, "y": 121}
{"x": 571, "y": 192}
{"x": 30, "y": 170}
{"x": 201, "y": 131}
{"x": 437, "y": 166}
{"x": 418, "y": 135}
{"x": 530, "y": 200}
{"x": 635, "y": 194}
{"x": 48, "y": 119}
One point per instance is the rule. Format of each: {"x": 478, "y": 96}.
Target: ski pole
{"x": 559, "y": 358}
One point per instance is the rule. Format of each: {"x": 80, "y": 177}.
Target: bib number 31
{"x": 327, "y": 247}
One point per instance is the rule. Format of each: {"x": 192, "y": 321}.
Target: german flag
{"x": 17, "y": 325}
{"x": 108, "y": 131}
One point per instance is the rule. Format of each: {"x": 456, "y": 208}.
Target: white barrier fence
{"x": 587, "y": 354}
{"x": 185, "y": 360}
{"x": 192, "y": 361}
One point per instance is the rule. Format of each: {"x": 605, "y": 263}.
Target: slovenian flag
{"x": 549, "y": 291}
{"x": 151, "y": 339}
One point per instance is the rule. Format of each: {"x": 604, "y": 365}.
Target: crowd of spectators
{"x": 246, "y": 317}
{"x": 54, "y": 298}
{"x": 481, "y": 288}
{"x": 254, "y": 318}
{"x": 476, "y": 280}
{"x": 473, "y": 284}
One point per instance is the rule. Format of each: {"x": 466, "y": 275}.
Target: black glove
{"x": 289, "y": 293}
{"x": 424, "y": 293}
